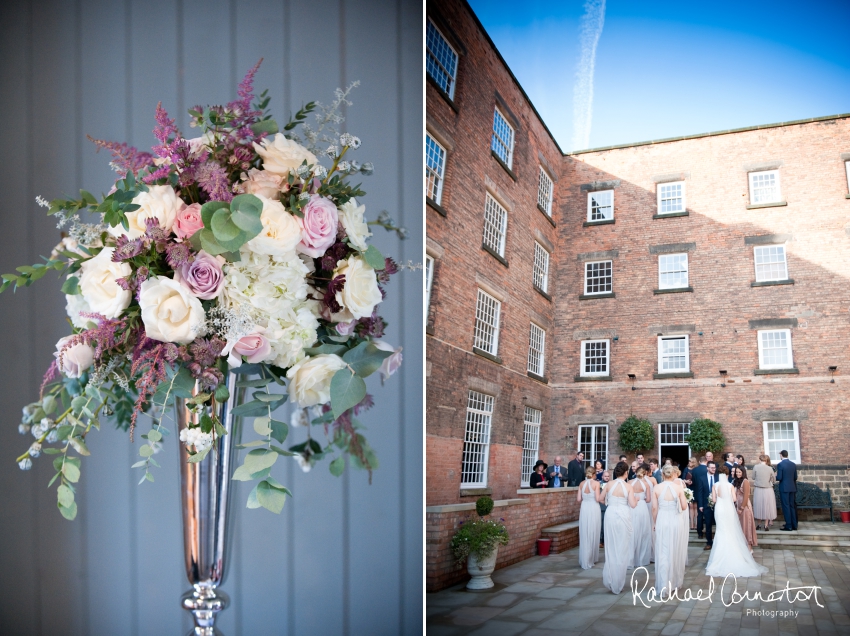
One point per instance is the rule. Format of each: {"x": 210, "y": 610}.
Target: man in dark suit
{"x": 656, "y": 472}
{"x": 698, "y": 481}
{"x": 786, "y": 475}
{"x": 557, "y": 474}
{"x": 575, "y": 470}
{"x": 638, "y": 459}
{"x": 727, "y": 460}
{"x": 704, "y": 484}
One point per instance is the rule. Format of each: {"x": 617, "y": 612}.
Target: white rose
{"x": 391, "y": 363}
{"x": 351, "y": 217}
{"x": 360, "y": 293}
{"x": 169, "y": 311}
{"x": 281, "y": 155}
{"x": 261, "y": 182}
{"x": 159, "y": 202}
{"x": 310, "y": 379}
{"x": 98, "y": 285}
{"x": 75, "y": 359}
{"x": 281, "y": 232}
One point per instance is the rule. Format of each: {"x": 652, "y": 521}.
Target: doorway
{"x": 672, "y": 443}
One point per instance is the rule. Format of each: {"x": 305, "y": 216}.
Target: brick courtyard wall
{"x": 525, "y": 516}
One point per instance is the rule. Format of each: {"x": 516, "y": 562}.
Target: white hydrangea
{"x": 76, "y": 305}
{"x": 197, "y": 438}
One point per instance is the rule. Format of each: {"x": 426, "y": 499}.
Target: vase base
{"x": 480, "y": 583}
{"x": 205, "y": 602}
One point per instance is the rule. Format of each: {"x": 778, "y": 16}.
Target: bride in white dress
{"x": 730, "y": 553}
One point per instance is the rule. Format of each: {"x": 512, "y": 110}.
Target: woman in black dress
{"x": 538, "y": 479}
{"x": 599, "y": 468}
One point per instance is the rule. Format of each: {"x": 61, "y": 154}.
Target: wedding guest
{"x": 687, "y": 477}
{"x": 764, "y": 501}
{"x": 739, "y": 459}
{"x": 786, "y": 475}
{"x": 619, "y": 553}
{"x": 698, "y": 478}
{"x": 653, "y": 467}
{"x": 667, "y": 461}
{"x": 575, "y": 470}
{"x": 606, "y": 477}
{"x": 641, "y": 519}
{"x": 633, "y": 469}
{"x": 705, "y": 484}
{"x": 589, "y": 521}
{"x": 668, "y": 500}
{"x": 727, "y": 461}
{"x": 745, "y": 509}
{"x": 599, "y": 469}
{"x": 709, "y": 456}
{"x": 538, "y": 479}
{"x": 556, "y": 475}
{"x": 623, "y": 458}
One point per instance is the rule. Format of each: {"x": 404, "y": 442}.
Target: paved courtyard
{"x": 553, "y": 596}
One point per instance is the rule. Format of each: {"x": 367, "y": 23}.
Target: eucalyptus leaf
{"x": 71, "y": 286}
{"x": 261, "y": 426}
{"x": 252, "y": 499}
{"x": 256, "y": 442}
{"x": 206, "y": 423}
{"x": 222, "y": 394}
{"x": 197, "y": 457}
{"x": 254, "y": 407}
{"x": 279, "y": 430}
{"x": 71, "y": 472}
{"x": 270, "y": 498}
{"x": 366, "y": 358}
{"x": 337, "y": 466}
{"x": 223, "y": 227}
{"x": 374, "y": 258}
{"x": 65, "y": 496}
{"x": 69, "y": 512}
{"x": 146, "y": 450}
{"x": 269, "y": 397}
{"x": 347, "y": 390}
{"x": 243, "y": 474}
{"x": 79, "y": 445}
{"x": 268, "y": 126}
{"x": 259, "y": 459}
{"x": 326, "y": 348}
{"x": 259, "y": 383}
{"x": 154, "y": 435}
{"x": 210, "y": 208}
{"x": 276, "y": 484}
{"x": 209, "y": 243}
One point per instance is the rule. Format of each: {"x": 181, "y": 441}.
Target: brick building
{"x": 704, "y": 276}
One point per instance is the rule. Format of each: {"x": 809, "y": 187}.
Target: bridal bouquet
{"x": 689, "y": 495}
{"x": 237, "y": 250}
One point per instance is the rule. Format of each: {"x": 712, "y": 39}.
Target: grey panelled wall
{"x": 345, "y": 557}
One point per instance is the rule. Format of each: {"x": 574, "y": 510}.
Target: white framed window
{"x": 487, "y": 314}
{"x": 672, "y": 271}
{"x": 503, "y": 138}
{"x": 476, "y": 440}
{"x": 671, "y": 197}
{"x": 673, "y": 354}
{"x": 536, "y": 350}
{"x": 847, "y": 170}
{"x": 598, "y": 277}
{"x": 770, "y": 262}
{"x": 600, "y": 205}
{"x": 595, "y": 358}
{"x": 593, "y": 442}
{"x": 764, "y": 187}
{"x": 541, "y": 267}
{"x": 495, "y": 225}
{"x": 775, "y": 349}
{"x": 435, "y": 168}
{"x": 780, "y": 436}
{"x": 440, "y": 59}
{"x": 429, "y": 279}
{"x": 530, "y": 443}
{"x": 544, "y": 192}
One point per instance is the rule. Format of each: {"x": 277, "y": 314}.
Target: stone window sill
{"x": 664, "y": 376}
{"x": 776, "y": 371}
{"x": 494, "y": 254}
{"x": 442, "y": 93}
{"x": 503, "y": 164}
{"x": 439, "y": 208}
{"x": 593, "y": 378}
{"x": 488, "y": 356}
{"x": 670, "y": 215}
{"x": 775, "y": 204}
{"x": 547, "y": 215}
{"x": 676, "y": 290}
{"x": 847, "y": 196}
{"x": 539, "y": 378}
{"x": 475, "y": 492}
{"x": 592, "y": 296}
{"x": 771, "y": 283}
{"x": 542, "y": 293}
{"x": 602, "y": 222}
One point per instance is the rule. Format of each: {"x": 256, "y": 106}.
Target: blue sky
{"x": 664, "y": 69}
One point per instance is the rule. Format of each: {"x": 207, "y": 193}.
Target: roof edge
{"x": 709, "y": 134}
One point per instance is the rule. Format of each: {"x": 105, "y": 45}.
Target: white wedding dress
{"x": 730, "y": 553}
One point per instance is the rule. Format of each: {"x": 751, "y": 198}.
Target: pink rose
{"x": 268, "y": 184}
{"x": 390, "y": 364}
{"x": 203, "y": 276}
{"x": 318, "y": 227}
{"x": 188, "y": 221}
{"x": 345, "y": 328}
{"x": 255, "y": 347}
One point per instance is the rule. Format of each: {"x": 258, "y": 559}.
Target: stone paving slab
{"x": 548, "y": 596}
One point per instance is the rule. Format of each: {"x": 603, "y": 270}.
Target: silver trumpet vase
{"x": 205, "y": 493}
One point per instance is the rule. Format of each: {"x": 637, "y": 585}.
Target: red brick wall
{"x": 524, "y": 522}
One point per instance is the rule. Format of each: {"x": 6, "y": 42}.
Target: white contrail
{"x": 591, "y": 28}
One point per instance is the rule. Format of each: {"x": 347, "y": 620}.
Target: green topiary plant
{"x": 484, "y": 506}
{"x": 705, "y": 435}
{"x": 636, "y": 435}
{"x": 479, "y": 537}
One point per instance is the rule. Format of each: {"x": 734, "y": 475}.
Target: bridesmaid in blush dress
{"x": 589, "y": 520}
{"x": 668, "y": 502}
{"x": 743, "y": 505}
{"x": 619, "y": 550}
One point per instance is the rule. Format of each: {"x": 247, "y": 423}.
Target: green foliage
{"x": 636, "y": 435}
{"x": 374, "y": 258}
{"x": 299, "y": 117}
{"x": 228, "y": 226}
{"x": 484, "y": 506}
{"x": 27, "y": 274}
{"x": 705, "y": 435}
{"x": 347, "y": 390}
{"x": 479, "y": 537}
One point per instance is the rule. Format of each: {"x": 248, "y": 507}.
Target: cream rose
{"x": 310, "y": 379}
{"x": 360, "y": 293}
{"x": 281, "y": 155}
{"x": 281, "y": 232}
{"x": 159, "y": 202}
{"x": 98, "y": 285}
{"x": 261, "y": 182}
{"x": 169, "y": 311}
{"x": 351, "y": 217}
{"x": 75, "y": 359}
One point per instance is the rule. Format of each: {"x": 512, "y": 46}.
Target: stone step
{"x": 792, "y": 543}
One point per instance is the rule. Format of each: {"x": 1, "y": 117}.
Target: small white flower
{"x": 303, "y": 462}
{"x": 344, "y": 166}
{"x": 197, "y": 438}
{"x": 35, "y": 449}
{"x": 52, "y": 436}
{"x": 332, "y": 151}
{"x": 367, "y": 168}
{"x": 303, "y": 171}
{"x": 25, "y": 464}
{"x": 303, "y": 196}
{"x": 42, "y": 201}
{"x": 23, "y": 429}
{"x": 319, "y": 170}
{"x": 347, "y": 139}
{"x": 299, "y": 418}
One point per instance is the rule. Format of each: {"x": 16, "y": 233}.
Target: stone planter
{"x": 480, "y": 571}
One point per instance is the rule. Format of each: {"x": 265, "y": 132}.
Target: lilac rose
{"x": 318, "y": 226}
{"x": 203, "y": 276}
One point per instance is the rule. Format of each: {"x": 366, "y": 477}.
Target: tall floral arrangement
{"x": 243, "y": 249}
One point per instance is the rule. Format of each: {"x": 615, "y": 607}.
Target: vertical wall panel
{"x": 344, "y": 556}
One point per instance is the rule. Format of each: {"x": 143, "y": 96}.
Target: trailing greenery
{"x": 636, "y": 434}
{"x": 484, "y": 506}
{"x": 705, "y": 435}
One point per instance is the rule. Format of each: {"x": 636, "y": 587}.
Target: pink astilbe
{"x": 108, "y": 335}
{"x": 152, "y": 359}
{"x": 51, "y": 374}
{"x": 214, "y": 181}
{"x": 125, "y": 158}
{"x": 241, "y": 107}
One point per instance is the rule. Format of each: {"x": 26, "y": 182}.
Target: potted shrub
{"x": 477, "y": 541}
{"x": 636, "y": 435}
